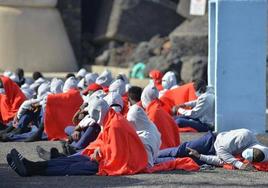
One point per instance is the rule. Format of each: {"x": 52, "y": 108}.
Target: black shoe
{"x": 11, "y": 163}
{"x": 42, "y": 153}
{"x": 67, "y": 148}
{"x": 35, "y": 137}
{"x": 4, "y": 138}
{"x": 54, "y": 153}
{"x": 21, "y": 130}
{"x": 7, "y": 130}
{"x": 17, "y": 159}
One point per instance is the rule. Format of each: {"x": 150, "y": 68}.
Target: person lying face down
{"x": 235, "y": 142}
{"x": 117, "y": 151}
{"x": 147, "y": 132}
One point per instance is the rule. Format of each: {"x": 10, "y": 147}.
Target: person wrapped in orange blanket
{"x": 178, "y": 96}
{"x": 60, "y": 109}
{"x": 11, "y": 97}
{"x": 166, "y": 125}
{"x": 117, "y": 151}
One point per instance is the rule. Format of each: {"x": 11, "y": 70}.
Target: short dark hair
{"x": 258, "y": 155}
{"x": 200, "y": 85}
{"x": 69, "y": 75}
{"x": 37, "y": 75}
{"x": 20, "y": 73}
{"x": 1, "y": 83}
{"x": 134, "y": 93}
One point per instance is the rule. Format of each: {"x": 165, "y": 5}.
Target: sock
{"x": 35, "y": 168}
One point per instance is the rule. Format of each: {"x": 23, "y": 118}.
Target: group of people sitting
{"x": 108, "y": 127}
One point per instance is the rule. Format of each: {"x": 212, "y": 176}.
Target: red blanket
{"x": 11, "y": 101}
{"x": 166, "y": 125}
{"x": 60, "y": 109}
{"x": 121, "y": 148}
{"x": 178, "y": 96}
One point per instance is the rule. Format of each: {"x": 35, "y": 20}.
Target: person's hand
{"x": 15, "y": 121}
{"x": 96, "y": 155}
{"x": 182, "y": 106}
{"x": 76, "y": 135}
{"x": 193, "y": 152}
{"x": 247, "y": 167}
{"x": 83, "y": 106}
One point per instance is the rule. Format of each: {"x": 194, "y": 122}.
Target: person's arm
{"x": 191, "y": 103}
{"x": 80, "y": 114}
{"x": 229, "y": 158}
{"x": 197, "y": 111}
{"x": 209, "y": 159}
{"x": 26, "y": 105}
{"x": 212, "y": 159}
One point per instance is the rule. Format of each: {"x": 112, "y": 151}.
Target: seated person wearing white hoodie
{"x": 201, "y": 116}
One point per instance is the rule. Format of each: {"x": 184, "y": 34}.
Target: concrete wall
{"x": 34, "y": 37}
{"x": 238, "y": 56}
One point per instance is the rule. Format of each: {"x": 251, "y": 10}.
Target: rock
{"x": 194, "y": 67}
{"x": 191, "y": 37}
{"x": 135, "y": 20}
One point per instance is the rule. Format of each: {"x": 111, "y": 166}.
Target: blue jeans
{"x": 184, "y": 121}
{"x": 72, "y": 165}
{"x": 204, "y": 145}
{"x": 30, "y": 116}
{"x": 87, "y": 136}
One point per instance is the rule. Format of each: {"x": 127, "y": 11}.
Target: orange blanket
{"x": 166, "y": 125}
{"x": 185, "y": 163}
{"x": 11, "y": 101}
{"x": 121, "y": 148}
{"x": 125, "y": 101}
{"x": 60, "y": 109}
{"x": 178, "y": 96}
{"x": 262, "y": 166}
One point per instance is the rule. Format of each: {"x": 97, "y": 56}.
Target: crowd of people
{"x": 109, "y": 127}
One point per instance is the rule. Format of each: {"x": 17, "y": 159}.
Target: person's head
{"x": 118, "y": 86}
{"x": 254, "y": 154}
{"x": 56, "y": 85}
{"x": 90, "y": 78}
{"x": 37, "y": 75}
{"x": 122, "y": 77}
{"x": 169, "y": 80}
{"x": 68, "y": 75}
{"x": 134, "y": 94}
{"x": 200, "y": 87}
{"x": 2, "y": 89}
{"x": 149, "y": 94}
{"x": 115, "y": 101}
{"x": 70, "y": 83}
{"x": 156, "y": 76}
{"x": 97, "y": 109}
{"x": 81, "y": 74}
{"x": 105, "y": 78}
{"x": 43, "y": 90}
{"x": 20, "y": 73}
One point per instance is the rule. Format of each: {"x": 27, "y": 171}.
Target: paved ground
{"x": 206, "y": 178}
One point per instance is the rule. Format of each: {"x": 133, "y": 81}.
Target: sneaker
{"x": 17, "y": 159}
{"x": 42, "y": 153}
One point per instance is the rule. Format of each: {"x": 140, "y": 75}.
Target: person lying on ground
{"x": 222, "y": 148}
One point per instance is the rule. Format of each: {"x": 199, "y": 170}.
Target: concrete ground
{"x": 206, "y": 178}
